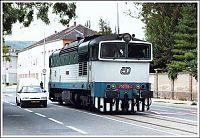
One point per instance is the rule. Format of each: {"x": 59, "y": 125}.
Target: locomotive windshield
{"x": 121, "y": 50}
{"x": 113, "y": 50}
{"x": 139, "y": 51}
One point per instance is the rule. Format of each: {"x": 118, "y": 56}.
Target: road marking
{"x": 12, "y": 103}
{"x": 168, "y": 113}
{"x": 76, "y": 129}
{"x": 40, "y": 114}
{"x": 15, "y": 115}
{"x": 56, "y": 121}
{"x": 6, "y": 102}
{"x": 28, "y": 110}
{"x": 10, "y": 95}
{"x": 156, "y": 112}
{"x": 122, "y": 121}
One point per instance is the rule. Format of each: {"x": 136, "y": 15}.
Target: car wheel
{"x": 17, "y": 102}
{"x": 21, "y": 104}
{"x": 45, "y": 104}
{"x": 60, "y": 101}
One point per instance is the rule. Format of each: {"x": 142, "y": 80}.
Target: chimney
{"x": 74, "y": 23}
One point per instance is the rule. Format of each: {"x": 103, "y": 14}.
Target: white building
{"x": 35, "y": 58}
{"x": 9, "y": 70}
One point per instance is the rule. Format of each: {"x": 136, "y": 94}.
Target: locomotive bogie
{"x": 117, "y": 105}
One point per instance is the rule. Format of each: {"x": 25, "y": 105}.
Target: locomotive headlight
{"x": 113, "y": 86}
{"x": 137, "y": 86}
{"x": 127, "y": 37}
{"x": 142, "y": 86}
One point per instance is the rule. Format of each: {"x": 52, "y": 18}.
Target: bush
{"x": 193, "y": 103}
{"x": 182, "y": 99}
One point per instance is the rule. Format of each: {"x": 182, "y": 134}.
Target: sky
{"x": 85, "y": 10}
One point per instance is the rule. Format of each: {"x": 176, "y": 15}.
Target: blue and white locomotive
{"x": 105, "y": 72}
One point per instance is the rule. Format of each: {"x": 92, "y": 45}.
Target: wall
{"x": 9, "y": 69}
{"x": 185, "y": 86}
{"x": 31, "y": 61}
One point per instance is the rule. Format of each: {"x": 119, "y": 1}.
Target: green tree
{"x": 173, "y": 70}
{"x": 24, "y": 13}
{"x": 5, "y": 51}
{"x": 104, "y": 27}
{"x": 160, "y": 21}
{"x": 185, "y": 48}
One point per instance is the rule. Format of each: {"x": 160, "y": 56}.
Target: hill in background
{"x": 19, "y": 44}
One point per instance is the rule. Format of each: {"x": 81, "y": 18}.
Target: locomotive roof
{"x": 92, "y": 40}
{"x": 110, "y": 37}
{"x": 95, "y": 39}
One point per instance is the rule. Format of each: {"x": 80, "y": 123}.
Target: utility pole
{"x": 117, "y": 19}
{"x": 44, "y": 70}
{"x": 157, "y": 92}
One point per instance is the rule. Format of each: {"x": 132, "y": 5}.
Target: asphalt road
{"x": 57, "y": 120}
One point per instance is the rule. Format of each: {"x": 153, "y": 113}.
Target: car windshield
{"x": 35, "y": 89}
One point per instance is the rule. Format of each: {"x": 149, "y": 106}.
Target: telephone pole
{"x": 117, "y": 19}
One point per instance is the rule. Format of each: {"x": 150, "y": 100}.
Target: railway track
{"x": 185, "y": 128}
{"x": 181, "y": 126}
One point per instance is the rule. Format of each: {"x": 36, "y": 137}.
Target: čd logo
{"x": 125, "y": 70}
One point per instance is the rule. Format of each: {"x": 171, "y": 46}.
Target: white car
{"x": 31, "y": 95}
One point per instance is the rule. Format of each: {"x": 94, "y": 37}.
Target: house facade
{"x": 33, "y": 61}
{"x": 9, "y": 68}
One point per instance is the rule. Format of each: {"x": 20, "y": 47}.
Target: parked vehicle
{"x": 31, "y": 95}
{"x": 25, "y": 82}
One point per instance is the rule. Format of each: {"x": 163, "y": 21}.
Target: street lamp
{"x": 44, "y": 69}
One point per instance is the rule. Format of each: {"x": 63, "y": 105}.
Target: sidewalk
{"x": 10, "y": 86}
{"x": 176, "y": 102}
{"x": 5, "y": 88}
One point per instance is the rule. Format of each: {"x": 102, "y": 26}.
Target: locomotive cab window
{"x": 113, "y": 50}
{"x": 138, "y": 51}
{"x": 122, "y": 50}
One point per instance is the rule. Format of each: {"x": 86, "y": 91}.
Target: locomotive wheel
{"x": 60, "y": 101}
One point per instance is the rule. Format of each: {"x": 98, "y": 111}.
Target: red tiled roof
{"x": 70, "y": 33}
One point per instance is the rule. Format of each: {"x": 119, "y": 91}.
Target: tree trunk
{"x": 190, "y": 86}
{"x": 172, "y": 88}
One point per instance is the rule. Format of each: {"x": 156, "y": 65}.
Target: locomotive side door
{"x": 89, "y": 80}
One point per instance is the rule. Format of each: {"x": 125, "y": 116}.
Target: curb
{"x": 177, "y": 102}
